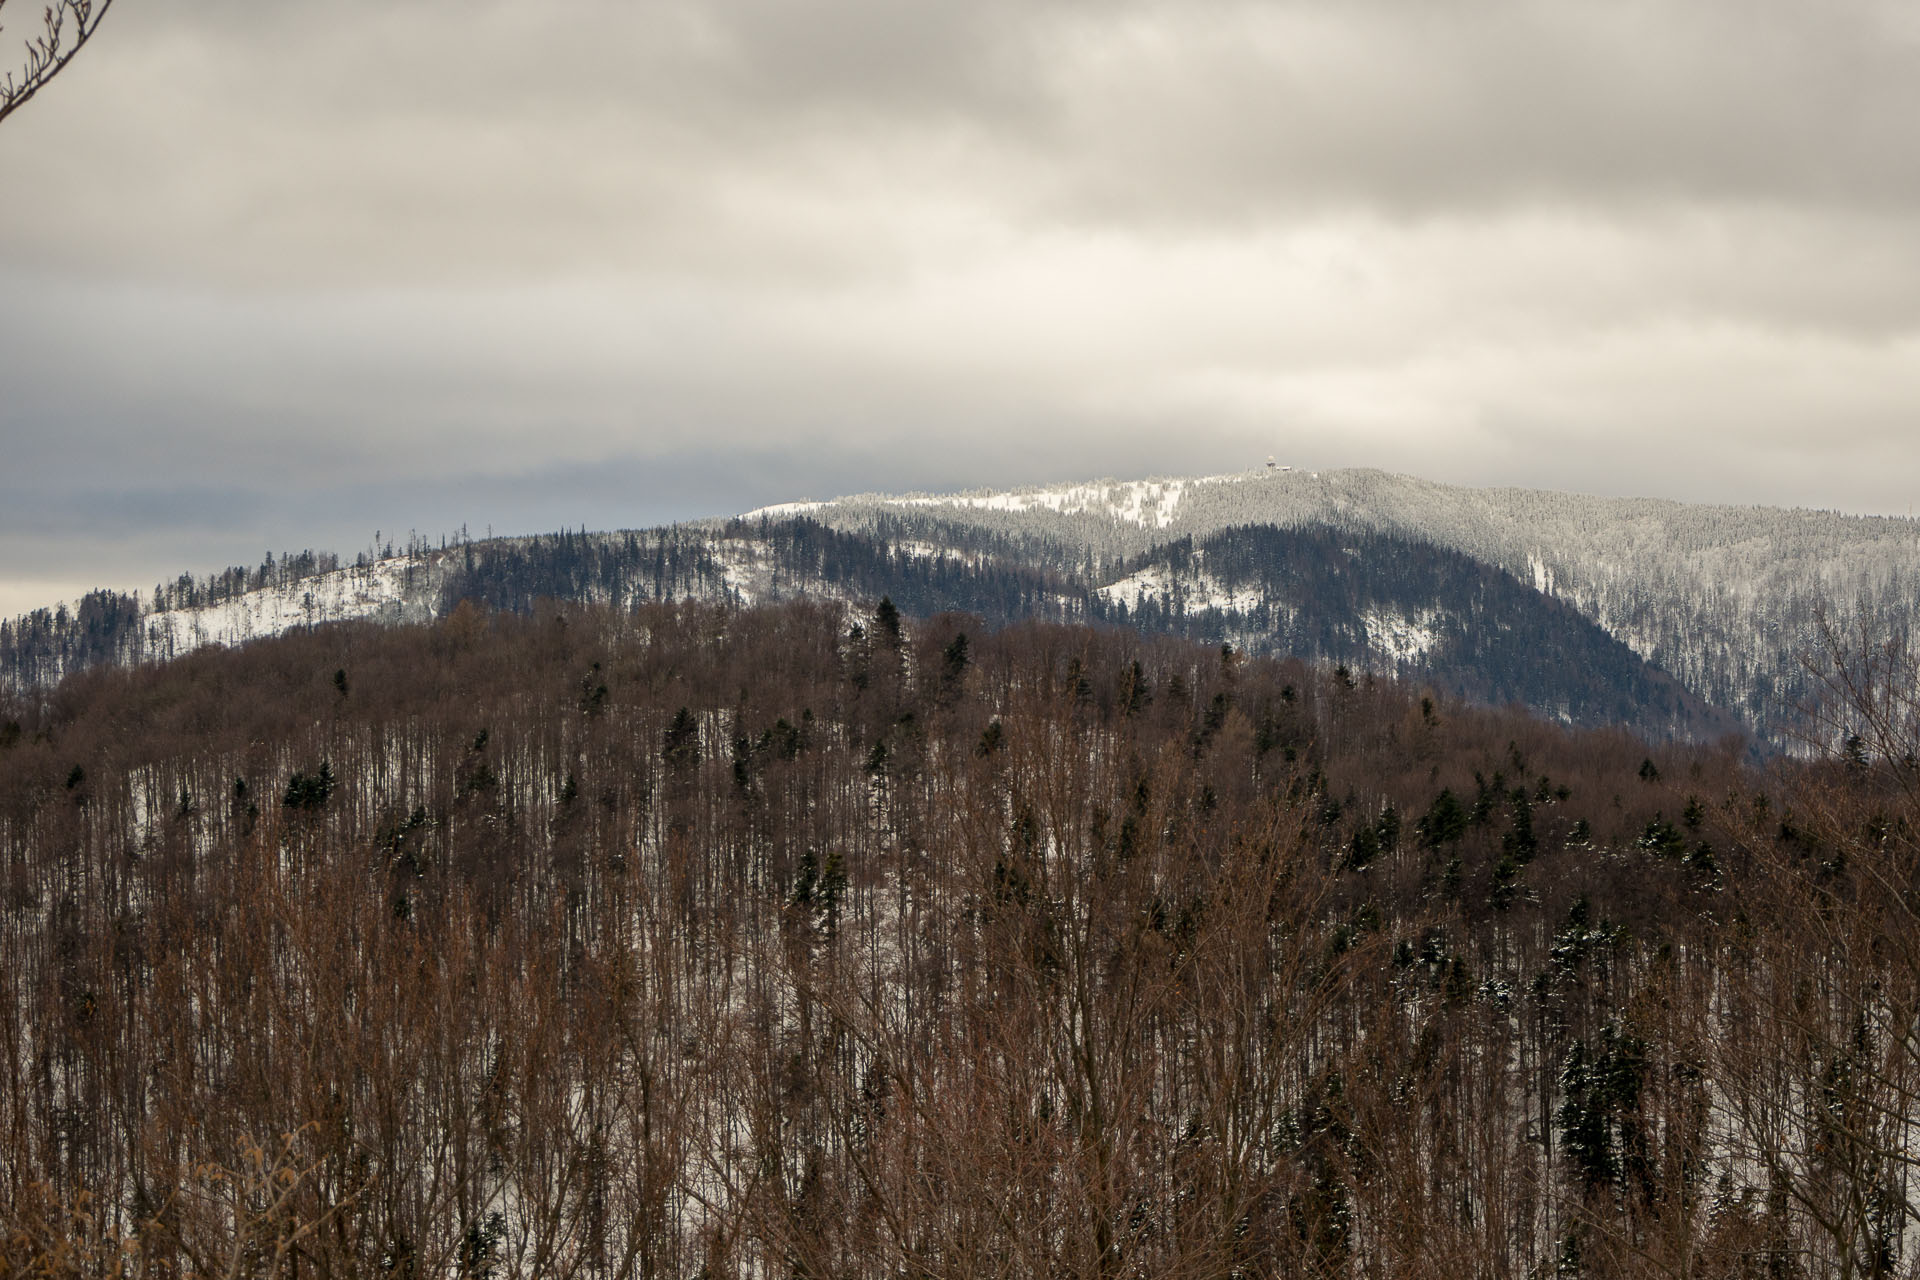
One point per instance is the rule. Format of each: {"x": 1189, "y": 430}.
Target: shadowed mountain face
{"x": 1380, "y": 602}
{"x": 1371, "y": 602}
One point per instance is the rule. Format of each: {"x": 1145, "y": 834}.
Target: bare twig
{"x": 65, "y": 26}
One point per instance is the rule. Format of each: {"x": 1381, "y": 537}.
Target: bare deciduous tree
{"x": 596, "y": 943}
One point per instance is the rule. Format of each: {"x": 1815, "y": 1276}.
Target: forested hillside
{"x": 812, "y": 941}
{"x": 1372, "y": 601}
{"x": 741, "y": 563}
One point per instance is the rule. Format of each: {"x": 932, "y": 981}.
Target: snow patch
{"x": 747, "y": 577}
{"x": 1542, "y": 575}
{"x": 1149, "y": 504}
{"x": 380, "y": 589}
{"x": 783, "y": 510}
{"x": 1194, "y": 592}
{"x": 1401, "y": 638}
{"x": 1153, "y": 582}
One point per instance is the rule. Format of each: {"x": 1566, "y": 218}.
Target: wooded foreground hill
{"x": 804, "y": 941}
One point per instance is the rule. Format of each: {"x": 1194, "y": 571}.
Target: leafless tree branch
{"x": 65, "y": 26}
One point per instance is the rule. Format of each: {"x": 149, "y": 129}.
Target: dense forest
{"x": 1338, "y": 595}
{"x": 812, "y": 941}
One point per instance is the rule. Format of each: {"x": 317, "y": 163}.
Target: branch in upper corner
{"x": 65, "y": 26}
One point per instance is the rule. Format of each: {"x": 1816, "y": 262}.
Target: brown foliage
{"x": 747, "y": 941}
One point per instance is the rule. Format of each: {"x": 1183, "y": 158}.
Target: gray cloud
{"x": 281, "y": 274}
{"x": 1424, "y": 109}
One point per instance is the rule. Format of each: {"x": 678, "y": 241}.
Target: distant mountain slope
{"x": 1372, "y": 601}
{"x": 1380, "y": 601}
{"x": 1727, "y": 599}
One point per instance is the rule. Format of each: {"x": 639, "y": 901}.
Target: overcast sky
{"x": 279, "y": 275}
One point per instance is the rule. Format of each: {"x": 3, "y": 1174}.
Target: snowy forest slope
{"x": 1727, "y": 601}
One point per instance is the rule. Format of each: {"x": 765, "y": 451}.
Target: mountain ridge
{"x": 1726, "y": 600}
{"x": 1729, "y": 599}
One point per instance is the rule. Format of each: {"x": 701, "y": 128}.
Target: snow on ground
{"x": 1401, "y": 638}
{"x": 382, "y": 588}
{"x": 752, "y": 575}
{"x": 745, "y": 569}
{"x": 1151, "y": 583}
{"x": 1391, "y": 635}
{"x": 1150, "y": 504}
{"x": 1196, "y": 592}
{"x": 783, "y": 510}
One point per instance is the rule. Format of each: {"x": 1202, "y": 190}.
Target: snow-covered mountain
{"x": 1726, "y": 600}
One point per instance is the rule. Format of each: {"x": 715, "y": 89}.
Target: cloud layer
{"x": 280, "y": 275}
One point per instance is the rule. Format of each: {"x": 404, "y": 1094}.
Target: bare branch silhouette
{"x": 65, "y": 27}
